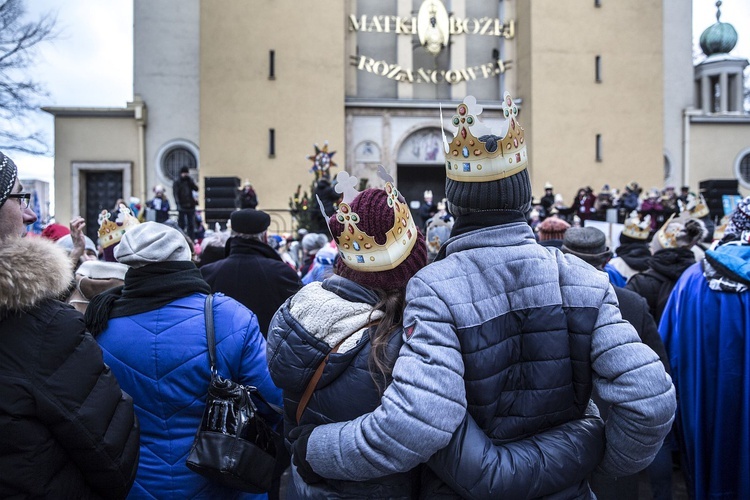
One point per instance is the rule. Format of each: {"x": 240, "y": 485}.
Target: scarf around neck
{"x": 146, "y": 289}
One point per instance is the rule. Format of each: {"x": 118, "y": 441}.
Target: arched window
{"x": 175, "y": 159}
{"x": 742, "y": 168}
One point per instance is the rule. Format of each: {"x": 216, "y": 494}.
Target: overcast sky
{"x": 91, "y": 62}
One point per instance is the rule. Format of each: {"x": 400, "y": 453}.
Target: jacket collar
{"x": 32, "y": 269}
{"x": 243, "y": 246}
{"x": 497, "y": 228}
{"x": 349, "y": 290}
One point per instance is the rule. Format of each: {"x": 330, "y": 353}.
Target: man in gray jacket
{"x": 512, "y": 335}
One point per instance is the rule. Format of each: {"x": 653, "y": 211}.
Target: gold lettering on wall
{"x": 424, "y": 75}
{"x": 486, "y": 26}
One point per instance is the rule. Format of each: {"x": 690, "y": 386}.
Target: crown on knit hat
{"x": 695, "y": 205}
{"x": 111, "y": 232}
{"x": 475, "y": 154}
{"x": 358, "y": 249}
{"x": 636, "y": 228}
{"x": 678, "y": 231}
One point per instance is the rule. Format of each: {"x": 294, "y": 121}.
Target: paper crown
{"x": 475, "y": 154}
{"x": 695, "y": 205}
{"x": 111, "y": 232}
{"x": 428, "y": 194}
{"x": 637, "y": 229}
{"x": 358, "y": 249}
{"x": 668, "y": 233}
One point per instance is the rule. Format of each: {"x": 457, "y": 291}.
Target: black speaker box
{"x": 718, "y": 186}
{"x": 217, "y": 214}
{"x": 226, "y": 192}
{"x": 216, "y": 182}
{"x": 220, "y": 202}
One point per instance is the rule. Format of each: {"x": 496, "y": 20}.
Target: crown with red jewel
{"x": 358, "y": 249}
{"x": 476, "y": 154}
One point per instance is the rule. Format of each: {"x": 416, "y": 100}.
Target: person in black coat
{"x": 672, "y": 256}
{"x": 252, "y": 273}
{"x": 589, "y": 244}
{"x": 183, "y": 195}
{"x": 66, "y": 428}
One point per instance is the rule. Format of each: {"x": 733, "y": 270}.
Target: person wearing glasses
{"x": 66, "y": 428}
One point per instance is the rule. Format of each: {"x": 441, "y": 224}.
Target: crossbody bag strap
{"x": 208, "y": 312}
{"x": 314, "y": 382}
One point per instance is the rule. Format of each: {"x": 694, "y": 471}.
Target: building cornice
{"x": 448, "y": 104}
{"x": 66, "y": 112}
{"x": 726, "y": 119}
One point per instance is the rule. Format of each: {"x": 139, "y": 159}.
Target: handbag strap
{"x": 208, "y": 313}
{"x": 314, "y": 382}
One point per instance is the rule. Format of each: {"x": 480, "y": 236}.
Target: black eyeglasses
{"x": 23, "y": 198}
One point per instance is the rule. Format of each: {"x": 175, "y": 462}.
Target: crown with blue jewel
{"x": 476, "y": 154}
{"x": 358, "y": 249}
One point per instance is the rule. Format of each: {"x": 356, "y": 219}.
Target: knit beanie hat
{"x": 376, "y": 218}
{"x": 739, "y": 221}
{"x": 312, "y": 242}
{"x": 8, "y": 174}
{"x": 552, "y": 228}
{"x": 55, "y": 231}
{"x": 149, "y": 243}
{"x": 486, "y": 171}
{"x": 67, "y": 243}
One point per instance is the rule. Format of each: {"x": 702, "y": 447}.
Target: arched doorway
{"x": 420, "y": 164}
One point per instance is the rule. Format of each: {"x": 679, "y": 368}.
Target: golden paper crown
{"x": 637, "y": 229}
{"x": 358, "y": 249}
{"x": 668, "y": 233}
{"x": 111, "y": 232}
{"x": 477, "y": 155}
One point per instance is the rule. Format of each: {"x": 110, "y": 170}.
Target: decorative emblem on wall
{"x": 433, "y": 26}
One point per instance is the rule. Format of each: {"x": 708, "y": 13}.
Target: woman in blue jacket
{"x": 153, "y": 336}
{"x": 350, "y": 326}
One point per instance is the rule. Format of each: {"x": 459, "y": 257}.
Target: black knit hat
{"x": 8, "y": 175}
{"x": 510, "y": 193}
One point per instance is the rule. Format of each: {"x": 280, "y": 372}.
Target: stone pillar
{"x": 404, "y": 52}
{"x": 706, "y": 94}
{"x": 723, "y": 93}
{"x": 458, "y": 51}
{"x": 739, "y": 93}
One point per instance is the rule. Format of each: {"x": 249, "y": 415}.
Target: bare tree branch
{"x": 20, "y": 94}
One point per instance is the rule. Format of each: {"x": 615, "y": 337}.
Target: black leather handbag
{"x": 234, "y": 445}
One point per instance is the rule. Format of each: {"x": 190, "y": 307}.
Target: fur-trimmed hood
{"x": 31, "y": 270}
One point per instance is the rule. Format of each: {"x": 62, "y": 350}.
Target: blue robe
{"x": 707, "y": 337}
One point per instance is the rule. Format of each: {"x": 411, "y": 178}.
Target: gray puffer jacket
{"x": 519, "y": 335}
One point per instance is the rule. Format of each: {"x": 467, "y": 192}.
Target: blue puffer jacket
{"x": 302, "y": 333}
{"x": 518, "y": 334}
{"x": 160, "y": 358}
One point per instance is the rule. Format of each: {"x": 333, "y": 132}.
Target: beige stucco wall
{"x": 714, "y": 150}
{"x": 239, "y": 104}
{"x": 564, "y": 108}
{"x": 88, "y": 139}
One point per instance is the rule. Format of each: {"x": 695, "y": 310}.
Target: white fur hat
{"x": 151, "y": 242}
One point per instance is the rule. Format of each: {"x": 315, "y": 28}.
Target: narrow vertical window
{"x": 271, "y": 64}
{"x": 598, "y": 147}
{"x": 271, "y": 142}
{"x": 598, "y": 68}
{"x": 597, "y": 3}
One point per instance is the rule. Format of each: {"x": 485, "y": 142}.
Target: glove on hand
{"x": 299, "y": 437}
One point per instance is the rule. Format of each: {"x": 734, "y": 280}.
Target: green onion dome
{"x": 718, "y": 38}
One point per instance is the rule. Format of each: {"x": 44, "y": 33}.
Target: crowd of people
{"x": 488, "y": 345}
